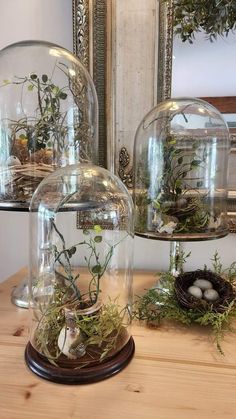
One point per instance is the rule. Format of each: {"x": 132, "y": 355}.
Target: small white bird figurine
{"x": 13, "y": 161}
{"x": 71, "y": 338}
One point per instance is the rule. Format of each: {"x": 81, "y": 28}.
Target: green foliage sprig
{"x": 46, "y": 127}
{"x": 96, "y": 266}
{"x": 160, "y": 303}
{"x": 214, "y": 17}
{"x": 100, "y": 332}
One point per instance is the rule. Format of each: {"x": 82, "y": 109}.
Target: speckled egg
{"x": 211, "y": 295}
{"x": 195, "y": 291}
{"x": 204, "y": 284}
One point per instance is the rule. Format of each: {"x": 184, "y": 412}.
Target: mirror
{"x": 205, "y": 68}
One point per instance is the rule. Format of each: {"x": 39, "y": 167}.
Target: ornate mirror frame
{"x": 90, "y": 45}
{"x": 93, "y": 36}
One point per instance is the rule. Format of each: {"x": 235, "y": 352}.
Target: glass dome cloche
{"x": 81, "y": 241}
{"x": 181, "y": 163}
{"x": 48, "y": 117}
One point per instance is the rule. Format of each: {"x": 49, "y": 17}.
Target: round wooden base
{"x": 40, "y": 366}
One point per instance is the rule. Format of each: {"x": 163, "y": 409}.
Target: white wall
{"x": 52, "y": 20}
{"x": 204, "y": 68}
{"x": 48, "y": 20}
{"x": 149, "y": 254}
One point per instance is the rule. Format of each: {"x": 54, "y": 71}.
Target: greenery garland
{"x": 214, "y": 17}
{"x": 160, "y": 303}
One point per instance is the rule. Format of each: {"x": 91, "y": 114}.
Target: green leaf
{"x": 55, "y": 90}
{"x": 178, "y": 191}
{"x": 97, "y": 228}
{"x": 71, "y": 251}
{"x": 96, "y": 269}
{"x": 33, "y": 76}
{"x": 98, "y": 239}
{"x": 195, "y": 163}
{"x": 30, "y": 87}
{"x": 5, "y": 81}
{"x": 44, "y": 78}
{"x": 22, "y": 137}
{"x": 62, "y": 95}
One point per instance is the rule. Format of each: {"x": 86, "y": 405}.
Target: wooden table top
{"x": 176, "y": 373}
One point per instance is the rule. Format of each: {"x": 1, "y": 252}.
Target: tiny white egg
{"x": 204, "y": 284}
{"x": 195, "y": 291}
{"x": 211, "y": 295}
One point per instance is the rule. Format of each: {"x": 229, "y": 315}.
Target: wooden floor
{"x": 176, "y": 373}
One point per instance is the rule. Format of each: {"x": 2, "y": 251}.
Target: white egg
{"x": 195, "y": 291}
{"x": 204, "y": 284}
{"x": 211, "y": 295}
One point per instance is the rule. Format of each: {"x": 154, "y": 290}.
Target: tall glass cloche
{"x": 48, "y": 117}
{"x": 81, "y": 238}
{"x": 181, "y": 165}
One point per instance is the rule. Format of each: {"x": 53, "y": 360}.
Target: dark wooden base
{"x": 89, "y": 374}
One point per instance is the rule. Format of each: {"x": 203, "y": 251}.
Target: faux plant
{"x": 72, "y": 322}
{"x": 95, "y": 265}
{"x": 160, "y": 303}
{"x": 179, "y": 204}
{"x": 53, "y": 131}
{"x": 214, "y": 17}
{"x": 47, "y": 127}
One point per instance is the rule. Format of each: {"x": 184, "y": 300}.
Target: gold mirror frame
{"x": 92, "y": 38}
{"x": 89, "y": 44}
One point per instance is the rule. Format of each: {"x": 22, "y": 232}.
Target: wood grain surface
{"x": 176, "y": 373}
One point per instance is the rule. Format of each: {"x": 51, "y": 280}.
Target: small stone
{"x": 204, "y": 284}
{"x": 211, "y": 295}
{"x": 195, "y": 292}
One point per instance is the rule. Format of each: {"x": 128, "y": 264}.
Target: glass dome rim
{"x": 58, "y": 173}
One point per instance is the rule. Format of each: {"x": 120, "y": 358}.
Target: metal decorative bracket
{"x": 124, "y": 172}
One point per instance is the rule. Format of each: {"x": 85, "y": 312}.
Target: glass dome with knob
{"x": 81, "y": 235}
{"x": 48, "y": 117}
{"x": 181, "y": 162}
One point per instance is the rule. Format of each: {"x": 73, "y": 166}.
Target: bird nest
{"x": 222, "y": 286}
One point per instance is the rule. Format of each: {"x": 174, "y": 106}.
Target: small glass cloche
{"x": 181, "y": 160}
{"x": 48, "y": 117}
{"x": 81, "y": 240}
